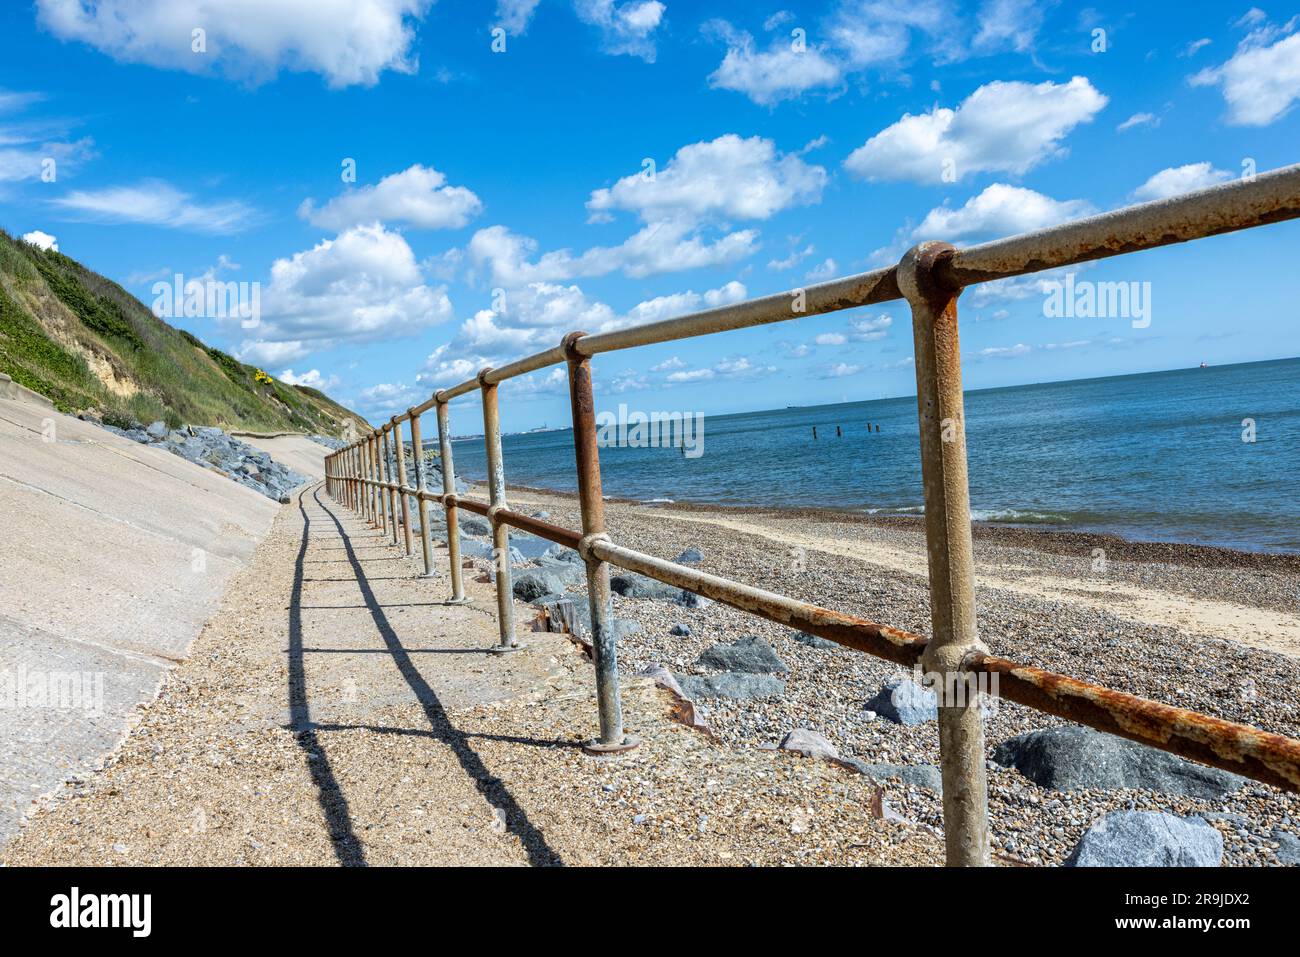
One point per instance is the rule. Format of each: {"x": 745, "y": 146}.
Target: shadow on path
{"x": 491, "y": 787}
{"x": 346, "y": 846}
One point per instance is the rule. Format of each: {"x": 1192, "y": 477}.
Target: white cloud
{"x": 694, "y": 375}
{"x": 668, "y": 365}
{"x": 657, "y": 248}
{"x": 157, "y": 203}
{"x": 733, "y": 367}
{"x": 418, "y": 195}
{"x": 822, "y": 271}
{"x": 513, "y": 16}
{"x": 857, "y": 35}
{"x": 311, "y": 378}
{"x": 1008, "y": 25}
{"x": 41, "y": 239}
{"x": 346, "y": 41}
{"x": 1001, "y": 127}
{"x": 362, "y": 286}
{"x": 27, "y": 148}
{"x": 727, "y": 177}
{"x": 627, "y": 27}
{"x": 1181, "y": 179}
{"x": 795, "y": 258}
{"x": 839, "y": 370}
{"x": 869, "y": 330}
{"x": 1195, "y": 47}
{"x": 1005, "y": 352}
{"x": 381, "y": 402}
{"x": 1138, "y": 119}
{"x": 831, "y": 339}
{"x": 1261, "y": 82}
{"x": 1000, "y": 210}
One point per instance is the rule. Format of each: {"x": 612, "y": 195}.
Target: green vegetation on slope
{"x": 86, "y": 343}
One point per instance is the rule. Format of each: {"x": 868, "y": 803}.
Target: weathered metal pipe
{"x": 500, "y": 530}
{"x": 400, "y": 450}
{"x": 592, "y": 504}
{"x": 417, "y": 451}
{"x": 954, "y": 636}
{"x": 449, "y": 506}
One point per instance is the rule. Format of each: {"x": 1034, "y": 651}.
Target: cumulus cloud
{"x": 311, "y": 378}
{"x": 1261, "y": 82}
{"x": 838, "y": 370}
{"x": 348, "y": 42}
{"x": 627, "y": 27}
{"x": 157, "y": 203}
{"x": 1000, "y": 210}
{"x": 1181, "y": 179}
{"x": 857, "y": 35}
{"x": 1008, "y": 25}
{"x": 732, "y": 367}
{"x": 419, "y": 196}
{"x": 728, "y": 176}
{"x": 362, "y": 286}
{"x": 1001, "y": 127}
{"x": 41, "y": 239}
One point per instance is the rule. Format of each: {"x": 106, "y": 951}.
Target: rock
{"x": 532, "y": 583}
{"x": 632, "y": 585}
{"x": 903, "y": 701}
{"x": 473, "y": 525}
{"x": 558, "y": 553}
{"x": 542, "y": 517}
{"x": 1076, "y": 757}
{"x": 911, "y": 775}
{"x": 750, "y": 654}
{"x": 622, "y": 627}
{"x": 813, "y": 641}
{"x": 692, "y": 556}
{"x": 662, "y": 677}
{"x": 1288, "y": 851}
{"x": 688, "y": 599}
{"x": 808, "y": 742}
{"x": 680, "y": 630}
{"x": 731, "y": 684}
{"x": 157, "y": 431}
{"x": 1148, "y": 839}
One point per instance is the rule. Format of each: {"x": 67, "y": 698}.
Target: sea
{"x": 1203, "y": 455}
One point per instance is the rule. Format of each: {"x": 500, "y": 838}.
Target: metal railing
{"x": 930, "y": 277}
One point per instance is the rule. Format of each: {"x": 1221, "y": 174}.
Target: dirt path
{"x": 336, "y": 712}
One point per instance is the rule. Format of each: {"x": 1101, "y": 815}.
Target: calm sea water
{"x": 1157, "y": 456}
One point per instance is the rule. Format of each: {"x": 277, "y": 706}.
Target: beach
{"x": 1207, "y": 629}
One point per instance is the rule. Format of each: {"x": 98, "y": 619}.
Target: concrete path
{"x": 300, "y": 453}
{"x": 335, "y": 711}
{"x": 114, "y": 556}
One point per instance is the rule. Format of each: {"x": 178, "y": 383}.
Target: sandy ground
{"x": 299, "y": 452}
{"x": 335, "y": 711}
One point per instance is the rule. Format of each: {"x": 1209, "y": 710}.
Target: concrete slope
{"x": 298, "y": 452}
{"x": 114, "y": 556}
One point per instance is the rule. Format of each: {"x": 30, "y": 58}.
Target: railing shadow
{"x": 347, "y": 848}
{"x": 491, "y": 787}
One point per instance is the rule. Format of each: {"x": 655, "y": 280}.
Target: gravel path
{"x": 335, "y": 712}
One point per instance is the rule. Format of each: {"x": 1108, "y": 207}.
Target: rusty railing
{"x": 930, "y": 277}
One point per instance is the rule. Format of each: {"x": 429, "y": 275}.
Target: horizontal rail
{"x": 1229, "y": 207}
{"x": 1270, "y": 758}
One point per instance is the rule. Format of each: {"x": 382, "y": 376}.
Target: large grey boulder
{"x": 808, "y": 742}
{"x": 1075, "y": 757}
{"x": 632, "y": 585}
{"x": 474, "y": 525}
{"x": 912, "y": 775}
{"x": 691, "y": 556}
{"x": 1148, "y": 839}
{"x": 157, "y": 431}
{"x": 750, "y": 654}
{"x": 731, "y": 684}
{"x": 903, "y": 701}
{"x": 813, "y": 641}
{"x": 1288, "y": 850}
{"x": 533, "y": 583}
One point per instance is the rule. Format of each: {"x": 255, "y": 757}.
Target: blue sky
{"x": 624, "y": 161}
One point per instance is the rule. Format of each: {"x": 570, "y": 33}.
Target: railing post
{"x": 400, "y": 452}
{"x": 421, "y": 505}
{"x": 500, "y": 530}
{"x": 370, "y": 499}
{"x": 386, "y": 476}
{"x": 591, "y": 499}
{"x": 954, "y": 637}
{"x": 373, "y": 452}
{"x": 449, "y": 505}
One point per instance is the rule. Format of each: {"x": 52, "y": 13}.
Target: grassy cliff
{"x": 86, "y": 343}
